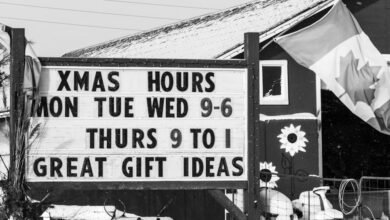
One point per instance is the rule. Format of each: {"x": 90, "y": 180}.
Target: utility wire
{"x": 86, "y": 11}
{"x": 71, "y": 24}
{"x": 162, "y": 5}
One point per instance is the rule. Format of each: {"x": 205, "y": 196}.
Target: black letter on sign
{"x": 92, "y": 132}
{"x": 71, "y": 107}
{"x": 115, "y": 106}
{"x": 105, "y": 138}
{"x": 71, "y": 168}
{"x": 87, "y": 168}
{"x": 155, "y": 81}
{"x": 138, "y": 136}
{"x": 55, "y": 166}
{"x": 128, "y": 107}
{"x": 237, "y": 166}
{"x": 169, "y": 107}
{"x": 212, "y": 138}
{"x": 100, "y": 101}
{"x": 160, "y": 161}
{"x": 223, "y": 167}
{"x": 195, "y": 133}
{"x": 113, "y": 81}
{"x": 167, "y": 86}
{"x": 148, "y": 167}
{"x": 155, "y": 106}
{"x": 64, "y": 82}
{"x": 185, "y": 166}
{"x": 197, "y": 79}
{"x": 118, "y": 142}
{"x": 55, "y": 101}
{"x": 42, "y": 107}
{"x": 227, "y": 138}
{"x": 98, "y": 82}
{"x": 128, "y": 172}
{"x": 209, "y": 166}
{"x": 81, "y": 82}
{"x": 139, "y": 166}
{"x": 152, "y": 138}
{"x": 209, "y": 80}
{"x": 182, "y": 81}
{"x": 182, "y": 107}
{"x": 100, "y": 161}
{"x": 197, "y": 167}
{"x": 42, "y": 169}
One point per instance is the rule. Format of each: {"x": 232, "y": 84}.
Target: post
{"x": 251, "y": 53}
{"x": 222, "y": 199}
{"x": 16, "y": 80}
{"x": 17, "y": 50}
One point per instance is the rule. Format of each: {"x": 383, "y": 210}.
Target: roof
{"x": 206, "y": 37}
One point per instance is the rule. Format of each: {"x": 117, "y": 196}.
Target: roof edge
{"x": 279, "y": 28}
{"x": 162, "y": 27}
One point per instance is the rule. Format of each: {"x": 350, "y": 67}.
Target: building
{"x": 290, "y": 98}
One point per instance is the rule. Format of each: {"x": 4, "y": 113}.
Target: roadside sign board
{"x": 141, "y": 123}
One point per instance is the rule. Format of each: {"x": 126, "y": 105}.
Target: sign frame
{"x": 147, "y": 63}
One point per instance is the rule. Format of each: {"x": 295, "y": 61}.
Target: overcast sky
{"x": 60, "y": 26}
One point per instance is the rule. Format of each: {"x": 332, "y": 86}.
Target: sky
{"x": 59, "y": 26}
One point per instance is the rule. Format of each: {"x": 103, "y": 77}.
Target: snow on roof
{"x": 204, "y": 37}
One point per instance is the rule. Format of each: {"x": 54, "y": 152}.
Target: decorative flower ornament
{"x": 268, "y": 175}
{"x": 292, "y": 139}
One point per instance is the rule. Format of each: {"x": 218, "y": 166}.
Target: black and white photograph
{"x": 194, "y": 110}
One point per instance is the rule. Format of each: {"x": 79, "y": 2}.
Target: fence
{"x": 368, "y": 198}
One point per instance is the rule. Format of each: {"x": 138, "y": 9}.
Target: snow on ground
{"x": 82, "y": 212}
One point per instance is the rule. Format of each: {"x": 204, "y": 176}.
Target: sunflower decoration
{"x": 292, "y": 139}
{"x": 268, "y": 175}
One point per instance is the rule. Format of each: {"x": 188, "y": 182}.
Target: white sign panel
{"x": 140, "y": 124}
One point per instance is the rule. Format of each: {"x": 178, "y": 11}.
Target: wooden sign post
{"x": 15, "y": 187}
{"x": 251, "y": 53}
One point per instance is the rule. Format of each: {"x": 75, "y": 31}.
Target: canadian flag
{"x": 342, "y": 55}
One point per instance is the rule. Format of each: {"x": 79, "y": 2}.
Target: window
{"x": 273, "y": 82}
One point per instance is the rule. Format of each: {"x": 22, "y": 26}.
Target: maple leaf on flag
{"x": 358, "y": 83}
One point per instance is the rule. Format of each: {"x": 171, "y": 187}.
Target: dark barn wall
{"x": 297, "y": 167}
{"x": 374, "y": 18}
{"x": 351, "y": 148}
{"x": 302, "y": 99}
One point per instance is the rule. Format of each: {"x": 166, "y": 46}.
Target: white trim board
{"x": 297, "y": 116}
